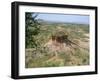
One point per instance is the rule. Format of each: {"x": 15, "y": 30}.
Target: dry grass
{"x": 73, "y": 51}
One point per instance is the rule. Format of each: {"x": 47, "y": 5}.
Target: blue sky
{"x": 81, "y": 19}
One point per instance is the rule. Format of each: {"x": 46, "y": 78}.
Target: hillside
{"x": 59, "y": 45}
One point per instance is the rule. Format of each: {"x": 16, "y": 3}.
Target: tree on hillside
{"x": 32, "y": 28}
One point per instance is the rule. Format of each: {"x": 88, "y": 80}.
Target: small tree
{"x": 32, "y": 28}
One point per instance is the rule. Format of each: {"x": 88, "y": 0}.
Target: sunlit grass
{"x": 42, "y": 57}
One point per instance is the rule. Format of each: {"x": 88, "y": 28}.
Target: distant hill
{"x": 57, "y": 22}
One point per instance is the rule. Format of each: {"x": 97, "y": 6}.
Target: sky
{"x": 66, "y": 18}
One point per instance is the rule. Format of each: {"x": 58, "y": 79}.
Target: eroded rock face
{"x": 56, "y": 46}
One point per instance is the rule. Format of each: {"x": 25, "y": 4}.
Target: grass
{"x": 75, "y": 56}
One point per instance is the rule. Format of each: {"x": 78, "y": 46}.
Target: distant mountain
{"x": 57, "y": 22}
